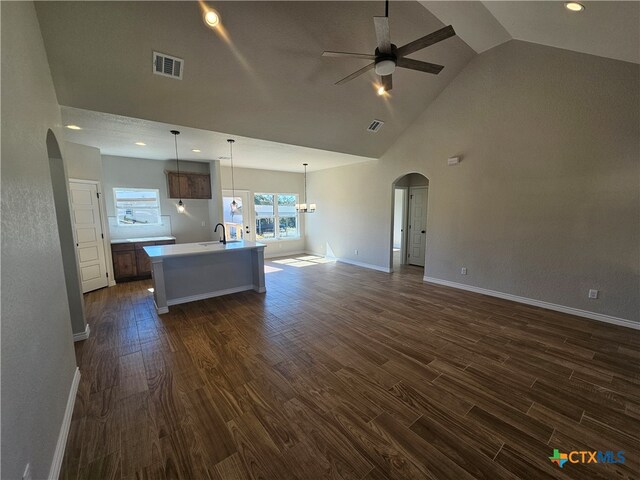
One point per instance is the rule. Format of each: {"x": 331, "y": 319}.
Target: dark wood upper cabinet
{"x": 189, "y": 185}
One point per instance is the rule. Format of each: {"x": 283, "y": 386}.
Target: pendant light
{"x": 234, "y": 205}
{"x": 180, "y": 203}
{"x": 304, "y": 207}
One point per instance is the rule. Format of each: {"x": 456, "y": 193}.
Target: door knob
{"x": 423, "y": 231}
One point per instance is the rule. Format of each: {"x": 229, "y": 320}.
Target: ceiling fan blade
{"x": 417, "y": 65}
{"x": 425, "y": 41}
{"x": 382, "y": 34}
{"x": 364, "y": 56}
{"x": 355, "y": 74}
{"x": 387, "y": 83}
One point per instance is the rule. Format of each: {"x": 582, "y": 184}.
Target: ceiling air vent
{"x": 375, "y": 126}
{"x": 167, "y": 65}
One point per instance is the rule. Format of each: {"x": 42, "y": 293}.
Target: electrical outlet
{"x": 593, "y": 294}
{"x": 355, "y": 251}
{"x": 204, "y": 224}
{"x": 463, "y": 271}
{"x": 27, "y": 472}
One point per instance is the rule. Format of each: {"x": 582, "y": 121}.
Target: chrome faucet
{"x": 223, "y": 238}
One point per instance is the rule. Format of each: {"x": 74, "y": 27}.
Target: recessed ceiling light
{"x": 211, "y": 18}
{"x": 142, "y": 144}
{"x": 381, "y": 90}
{"x": 195, "y": 150}
{"x": 73, "y": 127}
{"x": 574, "y": 6}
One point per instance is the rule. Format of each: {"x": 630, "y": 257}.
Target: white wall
{"x": 142, "y": 173}
{"x": 61, "y": 199}
{"x": 398, "y": 217}
{"x": 269, "y": 181}
{"x": 83, "y": 162}
{"x": 545, "y": 203}
{"x": 38, "y": 360}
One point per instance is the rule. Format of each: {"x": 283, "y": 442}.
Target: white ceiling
{"x": 606, "y": 28}
{"x": 271, "y": 83}
{"x": 116, "y": 135}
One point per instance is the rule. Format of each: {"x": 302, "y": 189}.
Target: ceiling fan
{"x": 387, "y": 56}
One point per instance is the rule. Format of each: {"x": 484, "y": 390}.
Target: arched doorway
{"x": 67, "y": 243}
{"x": 409, "y": 222}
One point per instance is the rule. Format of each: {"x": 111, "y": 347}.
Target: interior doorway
{"x": 87, "y": 225}
{"x": 237, "y": 223}
{"x": 409, "y": 221}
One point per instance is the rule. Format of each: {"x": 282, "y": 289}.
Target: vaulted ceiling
{"x": 268, "y": 79}
{"x": 269, "y": 82}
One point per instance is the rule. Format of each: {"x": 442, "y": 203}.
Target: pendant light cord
{"x": 175, "y": 138}
{"x": 305, "y": 185}
{"x": 233, "y": 183}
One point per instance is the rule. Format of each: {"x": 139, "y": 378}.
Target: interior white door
{"x": 417, "y": 225}
{"x": 237, "y": 224}
{"x": 87, "y": 230}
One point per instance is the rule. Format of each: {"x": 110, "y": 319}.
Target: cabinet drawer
{"x": 121, "y": 247}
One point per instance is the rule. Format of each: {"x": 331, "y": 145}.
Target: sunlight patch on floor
{"x": 304, "y": 261}
{"x": 285, "y": 261}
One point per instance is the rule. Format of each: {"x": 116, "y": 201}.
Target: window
{"x": 276, "y": 216}
{"x": 137, "y": 206}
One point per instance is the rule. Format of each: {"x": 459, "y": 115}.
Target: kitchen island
{"x": 187, "y": 272}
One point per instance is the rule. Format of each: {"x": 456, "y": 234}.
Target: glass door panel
{"x": 236, "y": 220}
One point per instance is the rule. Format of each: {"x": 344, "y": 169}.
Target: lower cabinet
{"x": 124, "y": 264}
{"x": 131, "y": 262}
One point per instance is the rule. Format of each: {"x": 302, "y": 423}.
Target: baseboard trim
{"x": 159, "y": 310}
{"x": 203, "y": 296}
{"x": 538, "y": 303}
{"x": 364, "y": 265}
{"x": 56, "y": 464}
{"x": 78, "y": 337}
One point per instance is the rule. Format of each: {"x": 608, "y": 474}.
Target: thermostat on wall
{"x": 453, "y": 160}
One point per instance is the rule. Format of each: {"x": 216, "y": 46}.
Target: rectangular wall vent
{"x": 168, "y": 66}
{"x": 375, "y": 126}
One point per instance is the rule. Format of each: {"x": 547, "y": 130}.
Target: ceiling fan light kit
{"x": 387, "y": 57}
{"x": 385, "y": 66}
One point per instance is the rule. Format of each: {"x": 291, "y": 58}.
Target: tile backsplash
{"x": 136, "y": 231}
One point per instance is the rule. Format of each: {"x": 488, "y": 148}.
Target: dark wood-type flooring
{"x": 346, "y": 373}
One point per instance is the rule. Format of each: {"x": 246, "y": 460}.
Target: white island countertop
{"x": 141, "y": 239}
{"x": 201, "y": 248}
